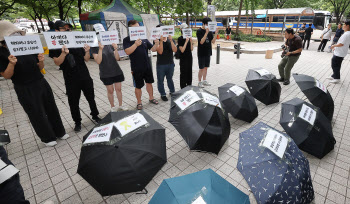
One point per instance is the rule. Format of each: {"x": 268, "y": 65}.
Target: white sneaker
{"x": 113, "y": 109}
{"x": 123, "y": 108}
{"x": 66, "y": 136}
{"x": 330, "y": 78}
{"x": 51, "y": 144}
{"x": 206, "y": 83}
{"x": 335, "y": 81}
{"x": 200, "y": 85}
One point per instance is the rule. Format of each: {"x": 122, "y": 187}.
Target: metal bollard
{"x": 238, "y": 49}
{"x": 218, "y": 54}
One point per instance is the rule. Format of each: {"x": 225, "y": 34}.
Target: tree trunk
{"x": 60, "y": 9}
{"x": 251, "y": 28}
{"x": 79, "y": 6}
{"x": 75, "y": 27}
{"x": 239, "y": 16}
{"x": 34, "y": 18}
{"x": 41, "y": 22}
{"x": 148, "y": 8}
{"x": 187, "y": 19}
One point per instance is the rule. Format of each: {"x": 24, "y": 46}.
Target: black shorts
{"x": 203, "y": 61}
{"x": 112, "y": 80}
{"x": 141, "y": 77}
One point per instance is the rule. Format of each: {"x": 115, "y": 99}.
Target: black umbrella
{"x": 317, "y": 93}
{"x": 263, "y": 86}
{"x": 308, "y": 126}
{"x": 238, "y": 102}
{"x": 198, "y": 117}
{"x": 126, "y": 161}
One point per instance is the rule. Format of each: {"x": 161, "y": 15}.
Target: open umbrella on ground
{"x": 199, "y": 118}
{"x": 238, "y": 102}
{"x": 263, "y": 86}
{"x": 308, "y": 127}
{"x": 122, "y": 153}
{"x": 203, "y": 187}
{"x": 317, "y": 93}
{"x": 274, "y": 167}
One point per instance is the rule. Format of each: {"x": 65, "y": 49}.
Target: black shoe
{"x": 164, "y": 98}
{"x": 322, "y": 51}
{"x": 286, "y": 82}
{"x": 96, "y": 119}
{"x": 77, "y": 128}
{"x": 280, "y": 79}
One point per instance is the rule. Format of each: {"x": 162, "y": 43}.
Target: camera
{"x": 285, "y": 50}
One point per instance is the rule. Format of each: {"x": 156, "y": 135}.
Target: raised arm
{"x": 116, "y": 53}
{"x": 8, "y": 73}
{"x": 173, "y": 46}
{"x": 87, "y": 52}
{"x": 215, "y": 35}
{"x": 41, "y": 59}
{"x": 133, "y": 47}
{"x": 59, "y": 60}
{"x": 204, "y": 37}
{"x": 98, "y": 56}
{"x": 155, "y": 46}
{"x": 160, "y": 47}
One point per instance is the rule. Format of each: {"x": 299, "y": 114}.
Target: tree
{"x": 6, "y": 6}
{"x": 339, "y": 7}
{"x": 193, "y": 8}
{"x": 226, "y": 5}
{"x": 239, "y": 16}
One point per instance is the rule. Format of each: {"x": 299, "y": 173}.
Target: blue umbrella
{"x": 204, "y": 185}
{"x": 272, "y": 179}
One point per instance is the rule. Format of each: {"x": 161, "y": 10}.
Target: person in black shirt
{"x": 308, "y": 32}
{"x": 337, "y": 35}
{"x": 33, "y": 91}
{"x": 205, "y": 39}
{"x": 140, "y": 65}
{"x": 228, "y": 33}
{"x": 186, "y": 60}
{"x": 76, "y": 76}
{"x": 301, "y": 31}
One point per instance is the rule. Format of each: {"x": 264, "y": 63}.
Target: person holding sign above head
{"x": 140, "y": 65}
{"x": 110, "y": 73}
{"x": 76, "y": 76}
{"x": 185, "y": 44}
{"x": 205, "y": 39}
{"x": 165, "y": 64}
{"x": 33, "y": 91}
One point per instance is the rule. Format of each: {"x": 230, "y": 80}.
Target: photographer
{"x": 294, "y": 47}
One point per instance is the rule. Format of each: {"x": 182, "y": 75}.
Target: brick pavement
{"x": 50, "y": 173}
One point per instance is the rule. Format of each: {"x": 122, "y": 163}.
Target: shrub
{"x": 251, "y": 38}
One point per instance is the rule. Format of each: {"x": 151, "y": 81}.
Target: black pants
{"x": 11, "y": 190}
{"x": 74, "y": 89}
{"x": 302, "y": 37}
{"x": 322, "y": 44}
{"x": 186, "y": 71}
{"x": 336, "y": 65}
{"x": 39, "y": 103}
{"x": 307, "y": 38}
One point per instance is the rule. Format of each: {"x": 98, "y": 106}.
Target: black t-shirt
{"x": 308, "y": 31}
{"x": 79, "y": 71}
{"x": 295, "y": 44}
{"x": 26, "y": 69}
{"x": 205, "y": 48}
{"x": 167, "y": 57}
{"x": 181, "y": 42}
{"x": 228, "y": 31}
{"x": 139, "y": 58}
{"x": 109, "y": 66}
{"x": 303, "y": 33}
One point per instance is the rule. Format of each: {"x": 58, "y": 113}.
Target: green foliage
{"x": 251, "y": 38}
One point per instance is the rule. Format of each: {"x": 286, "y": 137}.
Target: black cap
{"x": 59, "y": 24}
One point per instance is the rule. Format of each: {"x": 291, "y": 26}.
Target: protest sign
{"x": 308, "y": 114}
{"x": 130, "y": 123}
{"x": 321, "y": 86}
{"x": 109, "y": 37}
{"x": 99, "y": 27}
{"x": 24, "y": 45}
{"x": 212, "y": 26}
{"x": 137, "y": 33}
{"x": 55, "y": 40}
{"x": 211, "y": 12}
{"x": 187, "y": 33}
{"x": 276, "y": 142}
{"x": 211, "y": 100}
{"x": 100, "y": 134}
{"x": 156, "y": 33}
{"x": 237, "y": 90}
{"x": 168, "y": 30}
{"x": 187, "y": 99}
{"x": 87, "y": 37}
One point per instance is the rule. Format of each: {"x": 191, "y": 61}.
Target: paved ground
{"x": 50, "y": 173}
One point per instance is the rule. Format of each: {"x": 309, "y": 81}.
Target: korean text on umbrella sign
{"x": 236, "y": 90}
{"x": 130, "y": 123}
{"x": 276, "y": 142}
{"x": 308, "y": 114}
{"x": 321, "y": 86}
{"x": 211, "y": 100}
{"x": 187, "y": 99}
{"x": 263, "y": 72}
{"x": 100, "y": 134}
{"x": 24, "y": 45}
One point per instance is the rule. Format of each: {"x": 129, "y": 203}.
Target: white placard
{"x": 7, "y": 173}
{"x": 137, "y": 33}
{"x": 156, "y": 33}
{"x": 212, "y": 26}
{"x": 100, "y": 134}
{"x": 321, "y": 86}
{"x": 99, "y": 27}
{"x": 24, "y": 45}
{"x": 168, "y": 30}
{"x": 199, "y": 200}
{"x": 55, "y": 40}
{"x": 187, "y": 33}
{"x": 211, "y": 100}
{"x": 87, "y": 37}
{"x": 109, "y": 37}
{"x": 187, "y": 99}
{"x": 276, "y": 142}
{"x": 237, "y": 90}
{"x": 308, "y": 114}
{"x": 130, "y": 123}
{"x": 211, "y": 12}
{"x": 263, "y": 72}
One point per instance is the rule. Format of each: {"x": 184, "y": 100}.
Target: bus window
{"x": 319, "y": 21}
